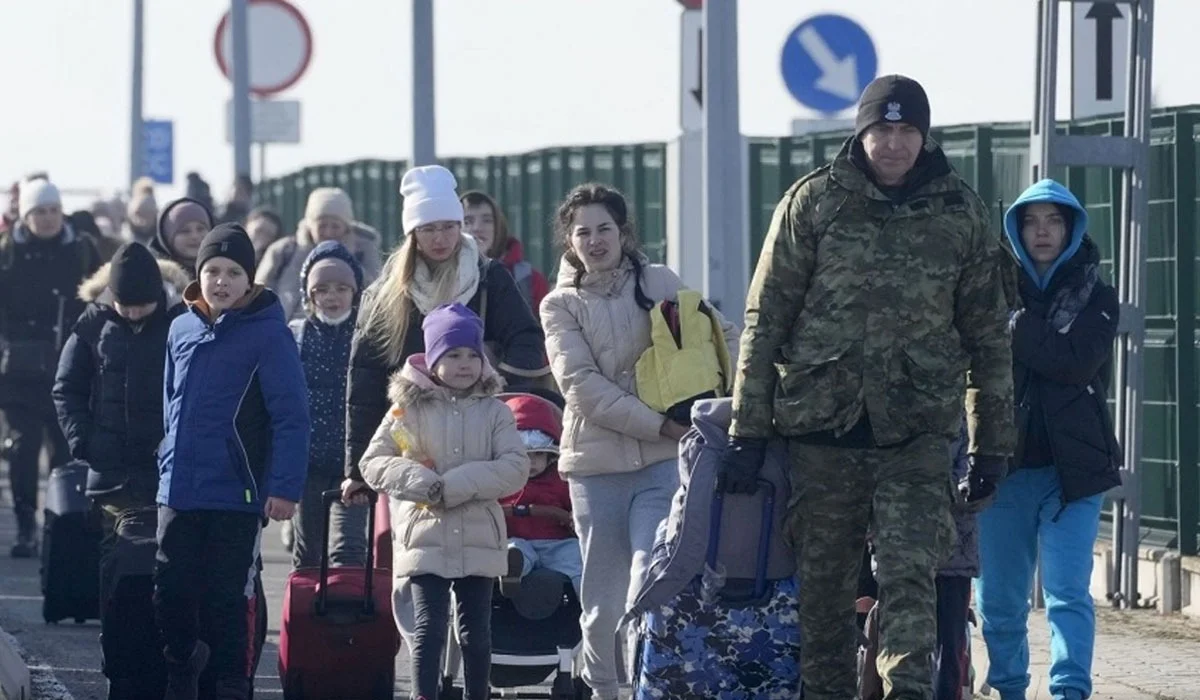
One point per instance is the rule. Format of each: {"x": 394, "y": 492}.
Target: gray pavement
{"x": 1139, "y": 654}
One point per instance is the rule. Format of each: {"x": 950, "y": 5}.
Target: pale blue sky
{"x": 512, "y": 75}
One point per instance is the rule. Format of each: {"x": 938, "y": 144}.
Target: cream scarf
{"x": 423, "y": 288}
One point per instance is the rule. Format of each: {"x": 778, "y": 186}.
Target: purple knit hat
{"x": 451, "y": 326}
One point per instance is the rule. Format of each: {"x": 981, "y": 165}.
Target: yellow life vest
{"x": 673, "y": 370}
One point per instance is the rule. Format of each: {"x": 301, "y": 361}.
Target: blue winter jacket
{"x": 235, "y": 409}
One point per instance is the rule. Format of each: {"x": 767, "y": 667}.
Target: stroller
{"x": 535, "y": 635}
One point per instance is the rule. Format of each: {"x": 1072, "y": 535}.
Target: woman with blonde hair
{"x": 437, "y": 264}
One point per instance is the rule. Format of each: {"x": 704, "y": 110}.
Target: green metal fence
{"x": 528, "y": 186}
{"x": 994, "y": 158}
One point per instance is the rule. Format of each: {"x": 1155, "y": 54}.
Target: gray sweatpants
{"x": 347, "y": 527}
{"x": 616, "y": 517}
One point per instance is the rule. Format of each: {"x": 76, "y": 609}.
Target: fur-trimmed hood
{"x": 95, "y": 288}
{"x": 413, "y": 383}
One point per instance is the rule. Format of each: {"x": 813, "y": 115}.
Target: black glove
{"x": 740, "y": 464}
{"x": 984, "y": 474}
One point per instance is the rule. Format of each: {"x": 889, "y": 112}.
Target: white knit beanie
{"x": 34, "y": 194}
{"x": 329, "y": 201}
{"x": 429, "y": 196}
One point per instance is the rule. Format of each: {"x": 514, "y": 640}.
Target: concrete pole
{"x": 424, "y": 137}
{"x": 238, "y": 25}
{"x": 135, "y": 101}
{"x": 725, "y": 237}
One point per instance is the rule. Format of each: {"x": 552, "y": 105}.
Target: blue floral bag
{"x": 725, "y": 638}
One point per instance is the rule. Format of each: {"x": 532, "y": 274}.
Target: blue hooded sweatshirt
{"x": 1045, "y": 191}
{"x": 325, "y": 354}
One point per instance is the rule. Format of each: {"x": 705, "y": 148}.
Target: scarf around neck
{"x": 422, "y": 288}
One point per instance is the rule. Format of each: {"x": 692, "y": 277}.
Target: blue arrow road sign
{"x": 158, "y": 150}
{"x": 827, "y": 60}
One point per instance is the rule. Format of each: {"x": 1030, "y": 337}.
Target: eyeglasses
{"x": 432, "y": 229}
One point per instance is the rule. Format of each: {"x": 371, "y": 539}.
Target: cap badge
{"x": 893, "y": 113}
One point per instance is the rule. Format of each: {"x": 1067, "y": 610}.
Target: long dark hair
{"x": 611, "y": 199}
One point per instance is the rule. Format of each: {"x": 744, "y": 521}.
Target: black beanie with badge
{"x": 134, "y": 277}
{"x": 228, "y": 241}
{"x": 891, "y": 99}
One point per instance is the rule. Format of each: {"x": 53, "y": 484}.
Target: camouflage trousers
{"x": 903, "y": 497}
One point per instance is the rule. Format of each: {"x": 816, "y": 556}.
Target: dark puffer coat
{"x": 109, "y": 387}
{"x": 325, "y": 354}
{"x": 38, "y": 304}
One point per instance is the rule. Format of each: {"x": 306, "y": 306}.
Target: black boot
{"x": 510, "y": 583}
{"x": 26, "y": 545}
{"x": 183, "y": 677}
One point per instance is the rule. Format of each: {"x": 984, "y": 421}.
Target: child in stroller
{"x": 535, "y": 612}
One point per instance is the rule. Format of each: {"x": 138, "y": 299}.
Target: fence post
{"x": 1188, "y": 485}
{"x": 985, "y": 178}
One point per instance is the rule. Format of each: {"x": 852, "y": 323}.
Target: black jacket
{"x": 1060, "y": 382}
{"x": 508, "y": 323}
{"x": 38, "y": 304}
{"x": 108, "y": 391}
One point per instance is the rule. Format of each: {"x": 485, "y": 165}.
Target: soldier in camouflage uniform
{"x": 875, "y": 310}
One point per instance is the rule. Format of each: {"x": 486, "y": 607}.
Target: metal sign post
{"x": 726, "y": 242}
{"x": 1129, "y": 153}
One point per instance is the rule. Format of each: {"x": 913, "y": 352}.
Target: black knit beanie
{"x": 134, "y": 277}
{"x": 227, "y": 241}
{"x": 893, "y": 98}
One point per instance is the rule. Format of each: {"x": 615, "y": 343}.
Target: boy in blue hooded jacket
{"x": 1067, "y": 456}
{"x": 236, "y": 446}
{"x": 332, "y": 280}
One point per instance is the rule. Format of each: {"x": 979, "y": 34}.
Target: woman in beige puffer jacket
{"x": 618, "y": 455}
{"x": 444, "y": 457}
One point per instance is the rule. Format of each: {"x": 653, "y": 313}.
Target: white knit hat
{"x": 329, "y": 201}
{"x": 429, "y": 196}
{"x": 36, "y": 193}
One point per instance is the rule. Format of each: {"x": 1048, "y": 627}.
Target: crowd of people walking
{"x": 940, "y": 395}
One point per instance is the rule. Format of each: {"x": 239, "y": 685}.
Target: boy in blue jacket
{"x": 236, "y": 447}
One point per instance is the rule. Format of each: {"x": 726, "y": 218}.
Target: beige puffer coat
{"x": 595, "y": 334}
{"x": 477, "y": 457}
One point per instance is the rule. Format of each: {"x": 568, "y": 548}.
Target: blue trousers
{"x": 562, "y": 556}
{"x": 1028, "y": 516}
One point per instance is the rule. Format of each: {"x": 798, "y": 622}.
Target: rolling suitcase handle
{"x": 328, "y": 498}
{"x": 764, "y": 537}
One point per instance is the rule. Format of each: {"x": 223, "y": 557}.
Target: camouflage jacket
{"x": 860, "y": 303}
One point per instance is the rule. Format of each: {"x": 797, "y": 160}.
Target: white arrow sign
{"x": 839, "y": 76}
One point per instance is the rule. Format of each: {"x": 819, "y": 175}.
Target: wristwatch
{"x": 521, "y": 510}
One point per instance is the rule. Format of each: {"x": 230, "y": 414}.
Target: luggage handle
{"x": 328, "y": 498}
{"x": 764, "y": 538}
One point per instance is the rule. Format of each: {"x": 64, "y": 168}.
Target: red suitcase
{"x": 338, "y": 638}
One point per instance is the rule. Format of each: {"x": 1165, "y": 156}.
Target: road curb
{"x": 29, "y": 675}
{"x": 15, "y": 683}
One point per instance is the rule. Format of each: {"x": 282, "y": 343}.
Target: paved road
{"x": 67, "y": 656}
{"x": 1139, "y": 655}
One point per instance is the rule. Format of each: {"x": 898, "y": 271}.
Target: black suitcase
{"x": 70, "y": 548}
